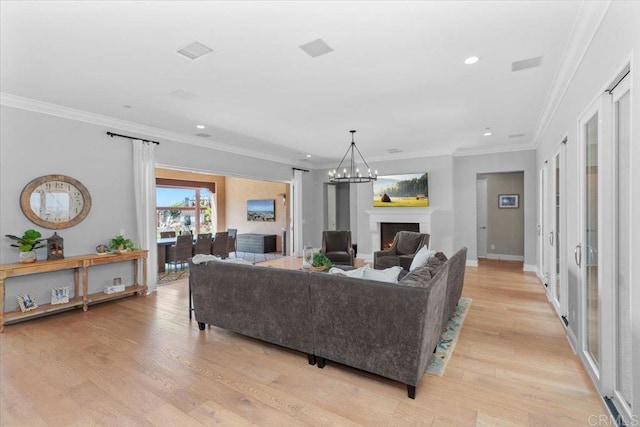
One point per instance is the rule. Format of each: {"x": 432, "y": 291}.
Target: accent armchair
{"x": 405, "y": 246}
{"x": 336, "y": 245}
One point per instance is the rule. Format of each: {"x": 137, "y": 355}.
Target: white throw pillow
{"x": 357, "y": 272}
{"x": 421, "y": 258}
{"x": 389, "y": 275}
{"x": 200, "y": 258}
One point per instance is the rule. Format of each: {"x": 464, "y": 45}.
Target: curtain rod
{"x": 302, "y": 170}
{"x": 111, "y": 134}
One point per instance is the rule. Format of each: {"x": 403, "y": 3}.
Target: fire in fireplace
{"x": 388, "y": 231}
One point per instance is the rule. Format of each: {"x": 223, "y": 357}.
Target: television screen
{"x": 400, "y": 191}
{"x": 261, "y": 210}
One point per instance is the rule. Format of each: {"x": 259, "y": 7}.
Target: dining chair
{"x": 181, "y": 251}
{"x": 231, "y": 242}
{"x": 203, "y": 244}
{"x": 220, "y": 246}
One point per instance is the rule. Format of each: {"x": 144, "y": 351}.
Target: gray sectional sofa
{"x": 389, "y": 329}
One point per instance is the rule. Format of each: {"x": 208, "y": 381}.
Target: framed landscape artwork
{"x": 261, "y": 210}
{"x": 401, "y": 191}
{"x": 508, "y": 201}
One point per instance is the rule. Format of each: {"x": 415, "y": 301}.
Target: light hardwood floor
{"x": 140, "y": 361}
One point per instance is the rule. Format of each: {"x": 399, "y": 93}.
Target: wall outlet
{"x": 493, "y": 247}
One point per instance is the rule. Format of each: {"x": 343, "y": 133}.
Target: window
{"x": 185, "y": 209}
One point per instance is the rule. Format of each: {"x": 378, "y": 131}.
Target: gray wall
{"x": 466, "y": 170}
{"x": 34, "y": 144}
{"x": 505, "y": 227}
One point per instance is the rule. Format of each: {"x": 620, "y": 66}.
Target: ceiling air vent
{"x": 526, "y": 63}
{"x": 203, "y": 135}
{"x": 394, "y": 150}
{"x": 516, "y": 135}
{"x": 183, "y": 94}
{"x": 316, "y": 48}
{"x": 194, "y": 51}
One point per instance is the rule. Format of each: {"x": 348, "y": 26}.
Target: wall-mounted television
{"x": 401, "y": 191}
{"x": 261, "y": 210}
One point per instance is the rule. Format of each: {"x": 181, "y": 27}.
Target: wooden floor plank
{"x": 140, "y": 361}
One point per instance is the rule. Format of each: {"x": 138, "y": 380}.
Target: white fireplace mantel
{"x": 377, "y": 216}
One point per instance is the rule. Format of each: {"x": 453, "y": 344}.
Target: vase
{"x": 27, "y": 257}
{"x": 307, "y": 257}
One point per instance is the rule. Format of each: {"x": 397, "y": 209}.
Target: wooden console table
{"x": 79, "y": 264}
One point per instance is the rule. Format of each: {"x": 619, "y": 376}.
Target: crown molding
{"x": 42, "y": 107}
{"x": 492, "y": 150}
{"x": 587, "y": 24}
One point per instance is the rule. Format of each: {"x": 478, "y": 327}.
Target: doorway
{"x": 500, "y": 215}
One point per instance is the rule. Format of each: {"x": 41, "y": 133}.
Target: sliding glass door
{"x": 555, "y": 235}
{"x": 621, "y": 111}
{"x": 605, "y": 245}
{"x": 590, "y": 136}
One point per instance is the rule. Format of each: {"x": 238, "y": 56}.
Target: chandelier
{"x": 351, "y": 172}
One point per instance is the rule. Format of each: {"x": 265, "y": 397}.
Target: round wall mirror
{"x": 55, "y": 201}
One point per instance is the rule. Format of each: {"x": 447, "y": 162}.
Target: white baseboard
{"x": 530, "y": 267}
{"x": 573, "y": 341}
{"x": 504, "y": 257}
{"x": 472, "y": 263}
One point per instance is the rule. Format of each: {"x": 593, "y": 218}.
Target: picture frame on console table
{"x": 27, "y": 302}
{"x": 60, "y": 295}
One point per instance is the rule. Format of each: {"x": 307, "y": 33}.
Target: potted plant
{"x": 27, "y": 244}
{"x": 120, "y": 244}
{"x": 320, "y": 262}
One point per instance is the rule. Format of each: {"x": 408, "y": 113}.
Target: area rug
{"x": 448, "y": 339}
{"x": 172, "y": 276}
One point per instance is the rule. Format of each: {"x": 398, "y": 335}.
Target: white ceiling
{"x": 396, "y": 73}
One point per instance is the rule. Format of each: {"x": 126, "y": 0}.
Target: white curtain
{"x": 296, "y": 222}
{"x": 144, "y": 184}
{"x": 214, "y": 213}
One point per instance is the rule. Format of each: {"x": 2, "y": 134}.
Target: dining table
{"x": 163, "y": 245}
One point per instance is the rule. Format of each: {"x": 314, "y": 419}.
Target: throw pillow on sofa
{"x": 421, "y": 258}
{"x": 389, "y": 275}
{"x": 356, "y": 272}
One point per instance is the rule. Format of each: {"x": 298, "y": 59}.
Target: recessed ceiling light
{"x": 200, "y": 126}
{"x": 487, "y": 132}
{"x": 471, "y": 60}
{"x": 127, "y": 106}
{"x": 308, "y": 156}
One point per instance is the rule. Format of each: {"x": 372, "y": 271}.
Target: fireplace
{"x": 377, "y": 216}
{"x": 388, "y": 231}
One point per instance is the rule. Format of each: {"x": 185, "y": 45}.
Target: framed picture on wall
{"x": 508, "y": 201}
{"x": 261, "y": 210}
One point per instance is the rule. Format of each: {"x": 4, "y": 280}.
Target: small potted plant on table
{"x": 27, "y": 244}
{"x": 119, "y": 244}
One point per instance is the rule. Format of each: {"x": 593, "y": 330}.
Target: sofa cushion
{"x": 389, "y": 275}
{"x": 421, "y": 258}
{"x": 419, "y": 277}
{"x": 442, "y": 257}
